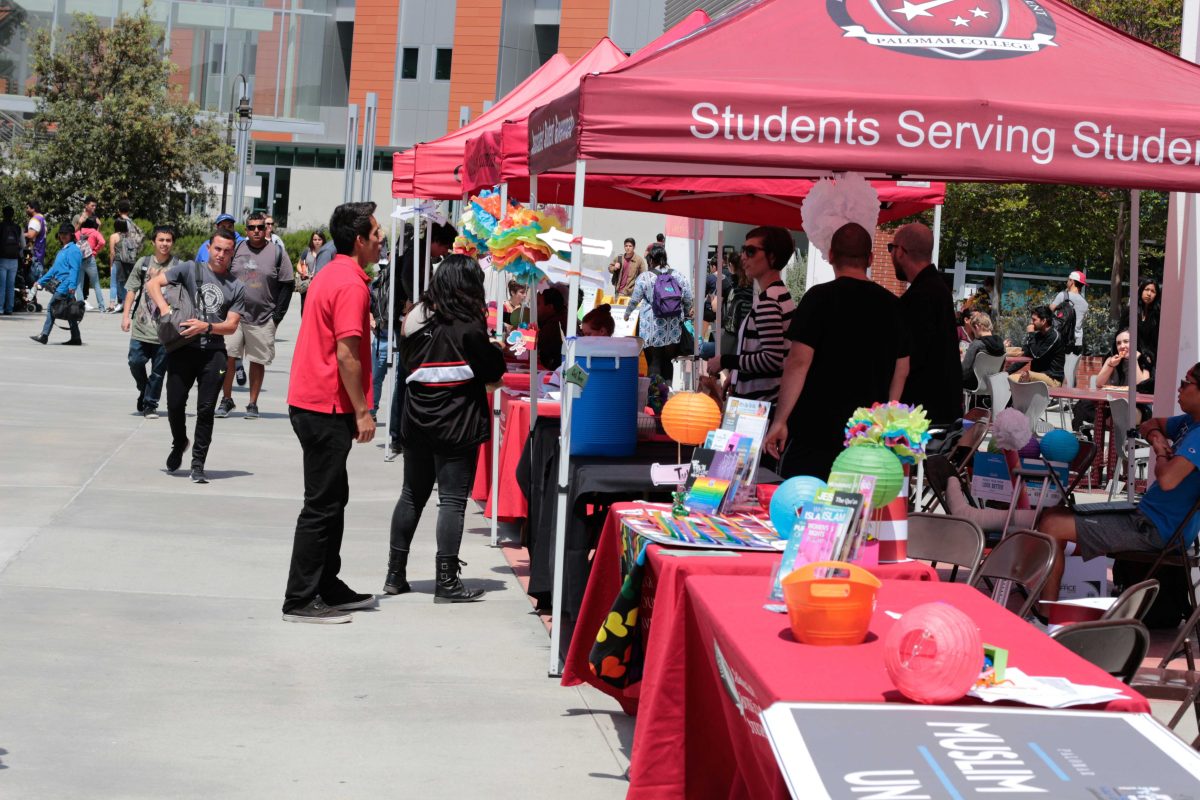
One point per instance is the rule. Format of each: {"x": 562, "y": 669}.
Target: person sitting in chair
{"x": 1176, "y": 443}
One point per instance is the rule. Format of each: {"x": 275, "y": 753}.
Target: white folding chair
{"x": 1031, "y": 399}
{"x": 984, "y": 367}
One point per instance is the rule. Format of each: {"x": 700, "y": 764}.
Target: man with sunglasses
{"x": 1164, "y": 507}
{"x": 266, "y": 273}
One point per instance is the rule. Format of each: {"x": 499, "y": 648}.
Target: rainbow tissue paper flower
{"x": 477, "y": 223}
{"x": 514, "y": 244}
{"x": 901, "y": 428}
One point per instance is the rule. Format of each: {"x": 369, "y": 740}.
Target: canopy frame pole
{"x": 531, "y": 299}
{"x": 718, "y": 325}
{"x": 429, "y": 253}
{"x": 564, "y": 455}
{"x": 416, "y": 281}
{"x": 388, "y": 386}
{"x": 499, "y": 295}
{"x": 1131, "y": 369}
{"x": 699, "y": 284}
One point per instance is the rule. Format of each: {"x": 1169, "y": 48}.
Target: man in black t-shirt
{"x": 935, "y": 368}
{"x": 849, "y": 349}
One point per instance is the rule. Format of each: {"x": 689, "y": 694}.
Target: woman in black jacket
{"x": 450, "y": 360}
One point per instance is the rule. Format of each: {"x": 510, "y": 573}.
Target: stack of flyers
{"x": 822, "y": 529}
{"x": 854, "y": 491}
{"x": 749, "y": 419}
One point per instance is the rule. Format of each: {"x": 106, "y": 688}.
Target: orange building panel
{"x": 582, "y": 23}
{"x": 476, "y": 56}
{"x": 372, "y": 62}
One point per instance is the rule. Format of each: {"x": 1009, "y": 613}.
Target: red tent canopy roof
{"x": 438, "y": 163}
{"x": 527, "y": 92}
{"x": 941, "y": 89}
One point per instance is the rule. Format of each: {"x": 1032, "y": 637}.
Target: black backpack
{"x": 1064, "y": 320}
{"x": 10, "y": 240}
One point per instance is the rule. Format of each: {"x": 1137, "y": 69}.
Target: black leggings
{"x": 658, "y": 360}
{"x": 206, "y": 368}
{"x": 454, "y": 472}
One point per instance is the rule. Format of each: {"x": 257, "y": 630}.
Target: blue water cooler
{"x": 604, "y": 415}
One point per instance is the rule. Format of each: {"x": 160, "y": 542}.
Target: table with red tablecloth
{"x": 662, "y": 591}
{"x": 705, "y": 745}
{"x": 514, "y": 432}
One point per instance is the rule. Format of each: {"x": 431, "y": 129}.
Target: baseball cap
{"x": 225, "y": 218}
{"x": 1078, "y": 277}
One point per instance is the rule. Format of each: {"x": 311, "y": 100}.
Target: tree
{"x": 107, "y": 123}
{"x": 1073, "y": 227}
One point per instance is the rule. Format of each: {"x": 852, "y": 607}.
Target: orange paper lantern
{"x": 688, "y": 417}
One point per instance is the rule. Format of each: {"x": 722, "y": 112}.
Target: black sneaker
{"x": 224, "y": 407}
{"x": 318, "y": 613}
{"x": 40, "y": 339}
{"x": 141, "y": 404}
{"x": 73, "y": 342}
{"x": 251, "y": 411}
{"x": 151, "y": 412}
{"x": 355, "y": 602}
{"x": 394, "y": 451}
{"x": 176, "y": 456}
{"x": 240, "y": 375}
{"x": 198, "y": 475}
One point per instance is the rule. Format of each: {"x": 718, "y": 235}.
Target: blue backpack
{"x": 667, "y": 300}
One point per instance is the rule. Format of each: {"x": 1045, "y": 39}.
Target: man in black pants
{"x": 329, "y": 402}
{"x": 219, "y": 306}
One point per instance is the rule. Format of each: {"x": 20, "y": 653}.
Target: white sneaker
{"x": 88, "y": 306}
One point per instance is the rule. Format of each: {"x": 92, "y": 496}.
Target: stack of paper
{"x": 1045, "y": 692}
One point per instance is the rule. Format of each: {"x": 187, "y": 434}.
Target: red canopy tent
{"x": 943, "y": 90}
{"x": 404, "y": 164}
{"x": 934, "y": 90}
{"x": 437, "y": 164}
{"x": 501, "y": 156}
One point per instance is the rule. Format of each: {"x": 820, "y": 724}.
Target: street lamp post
{"x": 243, "y": 113}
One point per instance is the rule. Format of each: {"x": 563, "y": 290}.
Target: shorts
{"x": 1103, "y": 534}
{"x": 254, "y": 343}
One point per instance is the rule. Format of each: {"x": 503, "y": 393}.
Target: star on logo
{"x": 912, "y": 10}
{"x": 959, "y": 22}
{"x": 979, "y": 12}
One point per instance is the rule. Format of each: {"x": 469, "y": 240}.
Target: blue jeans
{"x": 379, "y": 353}
{"x": 8, "y": 284}
{"x": 150, "y": 388}
{"x": 116, "y": 283}
{"x": 49, "y": 326}
{"x": 89, "y": 269}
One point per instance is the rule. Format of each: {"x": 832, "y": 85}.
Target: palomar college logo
{"x": 962, "y": 29}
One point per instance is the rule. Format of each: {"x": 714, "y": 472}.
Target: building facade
{"x": 432, "y": 65}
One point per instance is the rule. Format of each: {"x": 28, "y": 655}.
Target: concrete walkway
{"x": 142, "y": 653}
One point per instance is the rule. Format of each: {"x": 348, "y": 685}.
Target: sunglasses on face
{"x": 892, "y": 247}
{"x": 752, "y": 250}
{"x": 256, "y": 227}
{"x": 1186, "y": 382}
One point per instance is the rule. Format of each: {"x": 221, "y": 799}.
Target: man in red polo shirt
{"x": 329, "y": 402}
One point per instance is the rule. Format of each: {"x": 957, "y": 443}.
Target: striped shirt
{"x": 762, "y": 347}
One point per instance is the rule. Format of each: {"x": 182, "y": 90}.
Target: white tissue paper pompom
{"x": 831, "y": 204}
{"x": 1010, "y": 430}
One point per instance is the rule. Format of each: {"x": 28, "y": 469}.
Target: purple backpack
{"x": 667, "y": 300}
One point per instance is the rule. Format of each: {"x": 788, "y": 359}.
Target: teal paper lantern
{"x": 788, "y": 500}
{"x": 1060, "y": 446}
{"x": 878, "y": 462}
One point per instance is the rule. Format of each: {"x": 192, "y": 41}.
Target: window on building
{"x": 408, "y": 63}
{"x": 216, "y": 58}
{"x": 441, "y": 67}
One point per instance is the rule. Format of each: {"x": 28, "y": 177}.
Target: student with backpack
{"x": 665, "y": 297}
{"x": 10, "y": 255}
{"x": 90, "y": 242}
{"x": 124, "y": 246}
{"x": 1070, "y": 309}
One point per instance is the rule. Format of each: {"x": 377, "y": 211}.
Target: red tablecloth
{"x": 662, "y": 592}
{"x": 703, "y": 747}
{"x": 514, "y": 431}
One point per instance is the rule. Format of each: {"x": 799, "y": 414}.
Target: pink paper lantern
{"x": 933, "y": 654}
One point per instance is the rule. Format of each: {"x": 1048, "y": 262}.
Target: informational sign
{"x": 990, "y": 481}
{"x": 831, "y": 752}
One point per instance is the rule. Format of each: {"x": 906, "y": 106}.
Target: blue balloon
{"x": 788, "y": 500}
{"x": 1059, "y": 445}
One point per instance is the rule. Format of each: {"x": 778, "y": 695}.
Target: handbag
{"x": 67, "y": 308}
{"x": 183, "y": 308}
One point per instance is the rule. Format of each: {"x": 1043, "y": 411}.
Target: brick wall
{"x": 476, "y": 56}
{"x": 582, "y": 23}
{"x": 882, "y": 271}
{"x": 373, "y": 60}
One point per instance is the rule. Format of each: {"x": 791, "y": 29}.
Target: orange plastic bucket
{"x": 833, "y": 609}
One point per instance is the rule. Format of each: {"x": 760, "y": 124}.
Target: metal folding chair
{"x": 1117, "y": 646}
{"x": 1025, "y": 558}
{"x": 939, "y": 538}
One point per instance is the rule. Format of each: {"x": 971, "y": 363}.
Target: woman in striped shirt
{"x": 757, "y": 367}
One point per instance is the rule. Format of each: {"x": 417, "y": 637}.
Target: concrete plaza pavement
{"x": 142, "y": 654}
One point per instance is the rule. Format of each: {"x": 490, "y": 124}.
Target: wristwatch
{"x": 209, "y": 331}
